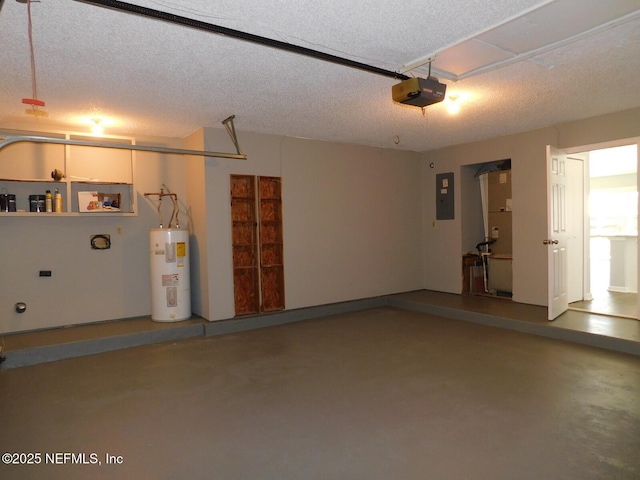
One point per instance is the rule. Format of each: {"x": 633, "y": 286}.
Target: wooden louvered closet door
{"x": 258, "y": 251}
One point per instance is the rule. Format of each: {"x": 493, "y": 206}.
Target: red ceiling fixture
{"x": 34, "y": 102}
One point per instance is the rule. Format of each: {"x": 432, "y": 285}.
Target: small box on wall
{"x": 98, "y": 202}
{"x": 445, "y": 209}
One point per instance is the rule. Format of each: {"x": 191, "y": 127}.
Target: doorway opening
{"x": 487, "y": 256}
{"x": 603, "y": 268}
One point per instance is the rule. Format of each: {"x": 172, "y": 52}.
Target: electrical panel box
{"x": 445, "y": 207}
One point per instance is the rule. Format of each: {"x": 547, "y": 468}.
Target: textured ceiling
{"x": 148, "y": 77}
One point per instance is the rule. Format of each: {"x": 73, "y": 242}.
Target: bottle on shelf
{"x": 57, "y": 204}
{"x": 48, "y": 204}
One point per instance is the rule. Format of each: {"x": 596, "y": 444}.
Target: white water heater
{"x": 170, "y": 282}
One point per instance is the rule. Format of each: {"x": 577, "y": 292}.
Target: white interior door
{"x": 556, "y": 240}
{"x": 575, "y": 229}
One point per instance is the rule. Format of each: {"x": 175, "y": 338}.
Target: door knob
{"x": 550, "y": 242}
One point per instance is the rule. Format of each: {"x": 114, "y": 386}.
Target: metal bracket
{"x": 231, "y": 130}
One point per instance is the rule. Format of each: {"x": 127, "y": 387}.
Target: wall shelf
{"x": 66, "y": 214}
{"x": 86, "y": 164}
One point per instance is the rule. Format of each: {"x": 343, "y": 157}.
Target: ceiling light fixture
{"x": 453, "y": 104}
{"x": 96, "y": 128}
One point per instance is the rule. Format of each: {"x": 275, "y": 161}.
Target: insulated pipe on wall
{"x": 249, "y": 37}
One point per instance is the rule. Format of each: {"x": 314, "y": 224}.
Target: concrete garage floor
{"x": 375, "y": 394}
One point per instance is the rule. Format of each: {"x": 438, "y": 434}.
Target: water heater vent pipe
{"x": 174, "y": 201}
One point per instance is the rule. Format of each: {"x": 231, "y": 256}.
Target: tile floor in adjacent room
{"x": 621, "y": 304}
{"x": 382, "y": 393}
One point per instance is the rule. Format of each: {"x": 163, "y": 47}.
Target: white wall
{"x": 352, "y": 229}
{"x": 86, "y": 285}
{"x": 262, "y": 159}
{"x": 352, "y": 222}
{"x": 358, "y": 222}
{"x": 443, "y": 247}
{"x": 352, "y": 226}
{"x": 197, "y": 214}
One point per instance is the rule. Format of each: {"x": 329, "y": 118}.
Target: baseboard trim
{"x": 62, "y": 351}
{"x": 252, "y": 322}
{"x": 543, "y": 330}
{"x": 42, "y": 354}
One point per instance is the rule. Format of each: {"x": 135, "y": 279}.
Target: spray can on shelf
{"x": 48, "y": 203}
{"x": 57, "y": 202}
